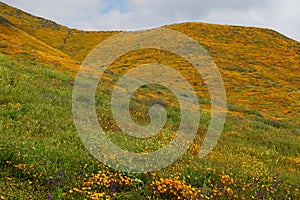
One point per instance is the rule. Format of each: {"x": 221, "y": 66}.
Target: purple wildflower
{"x": 49, "y": 196}
{"x": 260, "y": 195}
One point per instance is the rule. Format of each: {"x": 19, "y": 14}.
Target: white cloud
{"x": 66, "y": 12}
{"x": 281, "y": 15}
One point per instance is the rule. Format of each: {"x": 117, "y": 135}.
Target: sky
{"x": 280, "y": 15}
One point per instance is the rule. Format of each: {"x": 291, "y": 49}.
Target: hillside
{"x": 38, "y": 142}
{"x": 250, "y": 59}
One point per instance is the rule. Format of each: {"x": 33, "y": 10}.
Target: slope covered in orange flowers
{"x": 260, "y": 67}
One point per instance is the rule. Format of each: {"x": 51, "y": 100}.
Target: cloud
{"x": 149, "y": 13}
{"x": 281, "y": 15}
{"x": 66, "y": 12}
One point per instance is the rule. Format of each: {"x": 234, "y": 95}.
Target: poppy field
{"x": 257, "y": 155}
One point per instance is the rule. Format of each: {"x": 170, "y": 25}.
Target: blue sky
{"x": 280, "y": 15}
{"x": 114, "y": 4}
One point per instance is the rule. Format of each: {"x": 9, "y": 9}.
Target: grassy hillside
{"x": 41, "y": 155}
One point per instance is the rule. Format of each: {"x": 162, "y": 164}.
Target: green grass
{"x": 37, "y": 130}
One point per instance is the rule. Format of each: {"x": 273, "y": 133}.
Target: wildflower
{"x": 260, "y": 194}
{"x": 76, "y": 190}
{"x": 228, "y": 190}
{"x": 278, "y": 182}
{"x": 49, "y": 196}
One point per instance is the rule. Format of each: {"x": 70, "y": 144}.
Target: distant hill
{"x": 260, "y": 67}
